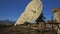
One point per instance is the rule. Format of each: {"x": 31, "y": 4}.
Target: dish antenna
{"x": 31, "y": 13}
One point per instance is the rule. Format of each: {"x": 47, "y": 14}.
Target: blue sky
{"x": 12, "y": 9}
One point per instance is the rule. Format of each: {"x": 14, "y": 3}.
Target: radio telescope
{"x": 31, "y": 13}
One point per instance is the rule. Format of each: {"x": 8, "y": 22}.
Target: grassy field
{"x": 22, "y": 30}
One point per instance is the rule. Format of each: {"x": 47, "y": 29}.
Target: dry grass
{"x": 22, "y": 30}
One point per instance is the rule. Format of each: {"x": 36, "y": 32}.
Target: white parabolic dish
{"x": 31, "y": 13}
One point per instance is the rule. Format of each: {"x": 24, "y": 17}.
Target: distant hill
{"x": 6, "y": 22}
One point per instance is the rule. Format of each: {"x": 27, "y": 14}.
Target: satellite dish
{"x": 31, "y": 13}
